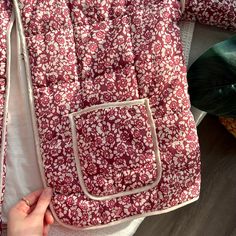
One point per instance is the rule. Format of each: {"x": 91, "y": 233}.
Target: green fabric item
{"x": 212, "y": 80}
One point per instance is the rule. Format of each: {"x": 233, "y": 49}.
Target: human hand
{"x": 30, "y": 216}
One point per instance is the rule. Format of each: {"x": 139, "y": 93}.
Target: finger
{"x": 31, "y": 208}
{"x": 43, "y": 202}
{"x": 22, "y": 207}
{"x": 48, "y": 217}
{"x": 46, "y": 229}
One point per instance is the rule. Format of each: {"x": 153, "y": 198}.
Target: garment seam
{"x": 144, "y": 102}
{"x": 158, "y": 212}
{"x": 4, "y": 130}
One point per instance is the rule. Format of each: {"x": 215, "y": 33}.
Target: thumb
{"x": 43, "y": 202}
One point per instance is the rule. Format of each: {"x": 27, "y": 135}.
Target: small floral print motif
{"x": 219, "y": 13}
{"x": 94, "y": 52}
{"x": 54, "y": 51}
{"x": 138, "y": 170}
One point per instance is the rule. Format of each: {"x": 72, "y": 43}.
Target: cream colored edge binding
{"x": 126, "y": 219}
{"x": 183, "y": 4}
{"x": 27, "y": 65}
{"x": 154, "y": 138}
{"x": 8, "y": 72}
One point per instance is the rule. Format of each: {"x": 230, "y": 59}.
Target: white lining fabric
{"x": 5, "y": 118}
{"x": 21, "y": 160}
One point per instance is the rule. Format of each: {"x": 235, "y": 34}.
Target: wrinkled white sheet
{"x": 23, "y": 174}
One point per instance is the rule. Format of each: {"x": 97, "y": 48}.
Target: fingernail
{"x": 48, "y": 192}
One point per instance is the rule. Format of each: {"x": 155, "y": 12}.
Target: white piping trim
{"x": 128, "y": 218}
{"x": 59, "y": 222}
{"x": 36, "y": 137}
{"x": 154, "y": 138}
{"x": 4, "y": 130}
{"x": 183, "y": 4}
{"x": 108, "y": 105}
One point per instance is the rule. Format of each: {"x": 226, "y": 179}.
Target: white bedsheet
{"x": 23, "y": 174}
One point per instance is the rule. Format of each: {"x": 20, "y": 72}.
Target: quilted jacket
{"x": 113, "y": 130}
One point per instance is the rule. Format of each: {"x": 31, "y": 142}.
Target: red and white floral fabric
{"x": 111, "y": 138}
{"x": 115, "y": 136}
{"x": 221, "y": 13}
{"x": 87, "y": 54}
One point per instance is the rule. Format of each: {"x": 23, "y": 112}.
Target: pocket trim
{"x": 154, "y": 138}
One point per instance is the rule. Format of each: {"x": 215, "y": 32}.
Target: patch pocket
{"x": 116, "y": 149}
